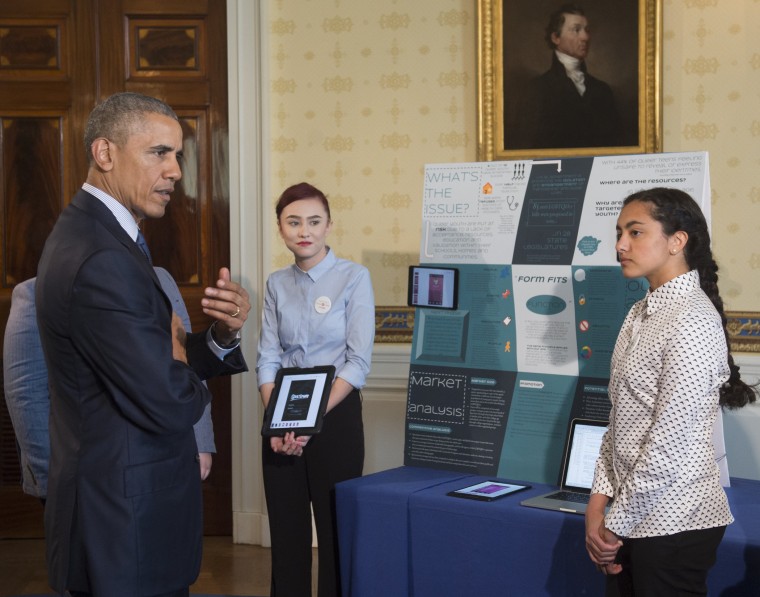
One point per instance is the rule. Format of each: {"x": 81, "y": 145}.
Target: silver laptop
{"x": 579, "y": 460}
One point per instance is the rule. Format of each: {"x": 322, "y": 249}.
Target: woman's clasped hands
{"x": 290, "y": 444}
{"x": 601, "y": 543}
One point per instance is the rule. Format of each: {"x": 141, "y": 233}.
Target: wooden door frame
{"x": 82, "y": 78}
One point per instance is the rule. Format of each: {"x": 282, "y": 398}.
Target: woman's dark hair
{"x": 676, "y": 210}
{"x": 557, "y": 21}
{"x": 302, "y": 190}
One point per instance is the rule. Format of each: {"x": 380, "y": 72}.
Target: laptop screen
{"x": 582, "y": 453}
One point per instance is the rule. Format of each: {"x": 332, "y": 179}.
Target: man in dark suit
{"x": 566, "y": 106}
{"x": 123, "y": 513}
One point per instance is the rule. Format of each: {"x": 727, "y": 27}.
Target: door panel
{"x": 57, "y": 58}
{"x": 31, "y": 193}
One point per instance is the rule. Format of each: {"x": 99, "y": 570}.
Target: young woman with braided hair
{"x": 671, "y": 371}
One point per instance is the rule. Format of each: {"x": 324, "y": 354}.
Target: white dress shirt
{"x": 657, "y": 460}
{"x": 574, "y": 70}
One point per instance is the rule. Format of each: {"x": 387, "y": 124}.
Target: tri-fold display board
{"x": 494, "y": 383}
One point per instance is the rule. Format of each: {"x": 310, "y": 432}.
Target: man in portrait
{"x": 566, "y": 106}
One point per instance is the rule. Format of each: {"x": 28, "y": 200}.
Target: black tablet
{"x": 434, "y": 287}
{"x": 298, "y": 401}
{"x": 487, "y": 491}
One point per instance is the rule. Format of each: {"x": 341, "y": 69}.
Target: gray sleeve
{"x": 204, "y": 432}
{"x": 26, "y": 388}
{"x": 204, "y": 428}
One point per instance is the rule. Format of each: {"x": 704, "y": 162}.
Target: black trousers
{"x": 296, "y": 484}
{"x": 668, "y": 566}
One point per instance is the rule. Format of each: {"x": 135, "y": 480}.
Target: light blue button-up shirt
{"x": 325, "y": 316}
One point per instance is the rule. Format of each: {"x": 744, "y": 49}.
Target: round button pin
{"x": 323, "y": 304}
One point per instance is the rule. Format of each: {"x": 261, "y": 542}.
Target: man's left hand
{"x": 205, "y": 459}
{"x": 228, "y": 303}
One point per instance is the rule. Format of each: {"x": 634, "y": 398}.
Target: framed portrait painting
{"x": 565, "y": 79}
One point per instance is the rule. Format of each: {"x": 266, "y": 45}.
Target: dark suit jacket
{"x": 25, "y": 380}
{"x": 123, "y": 516}
{"x": 554, "y": 114}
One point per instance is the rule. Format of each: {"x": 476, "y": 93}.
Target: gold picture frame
{"x": 513, "y": 55}
{"x": 394, "y": 324}
{"x": 743, "y": 330}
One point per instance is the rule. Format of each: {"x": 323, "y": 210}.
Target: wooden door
{"x": 57, "y": 59}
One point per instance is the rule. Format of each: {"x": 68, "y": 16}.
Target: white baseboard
{"x": 248, "y": 527}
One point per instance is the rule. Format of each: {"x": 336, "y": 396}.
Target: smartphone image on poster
{"x": 435, "y": 290}
{"x": 433, "y": 287}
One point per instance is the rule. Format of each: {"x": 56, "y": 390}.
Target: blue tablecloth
{"x": 373, "y": 529}
{"x": 400, "y": 534}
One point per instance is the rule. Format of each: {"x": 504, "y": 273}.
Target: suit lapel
{"x": 96, "y": 209}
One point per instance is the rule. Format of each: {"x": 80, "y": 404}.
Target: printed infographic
{"x": 494, "y": 383}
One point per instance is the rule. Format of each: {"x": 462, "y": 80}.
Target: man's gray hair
{"x": 115, "y": 117}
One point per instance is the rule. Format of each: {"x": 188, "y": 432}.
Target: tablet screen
{"x": 434, "y": 287}
{"x": 298, "y": 401}
{"x": 488, "y": 490}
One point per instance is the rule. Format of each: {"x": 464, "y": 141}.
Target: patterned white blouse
{"x": 657, "y": 460}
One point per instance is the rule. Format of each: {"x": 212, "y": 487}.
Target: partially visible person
{"x": 671, "y": 372}
{"x": 318, "y": 311}
{"x": 204, "y": 428}
{"x": 25, "y": 382}
{"x": 566, "y": 106}
{"x": 123, "y": 516}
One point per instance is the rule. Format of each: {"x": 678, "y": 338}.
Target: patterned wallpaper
{"x": 363, "y": 93}
{"x": 711, "y": 95}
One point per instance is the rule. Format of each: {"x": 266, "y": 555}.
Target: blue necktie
{"x": 143, "y": 246}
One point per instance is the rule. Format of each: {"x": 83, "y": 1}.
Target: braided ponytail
{"x": 676, "y": 210}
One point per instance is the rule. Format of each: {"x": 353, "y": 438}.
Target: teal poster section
{"x": 494, "y": 383}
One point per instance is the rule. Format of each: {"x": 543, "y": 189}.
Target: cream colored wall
{"x": 357, "y": 95}
{"x": 711, "y": 94}
{"x": 363, "y": 93}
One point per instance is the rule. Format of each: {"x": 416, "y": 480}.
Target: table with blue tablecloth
{"x": 373, "y": 528}
{"x": 400, "y": 534}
